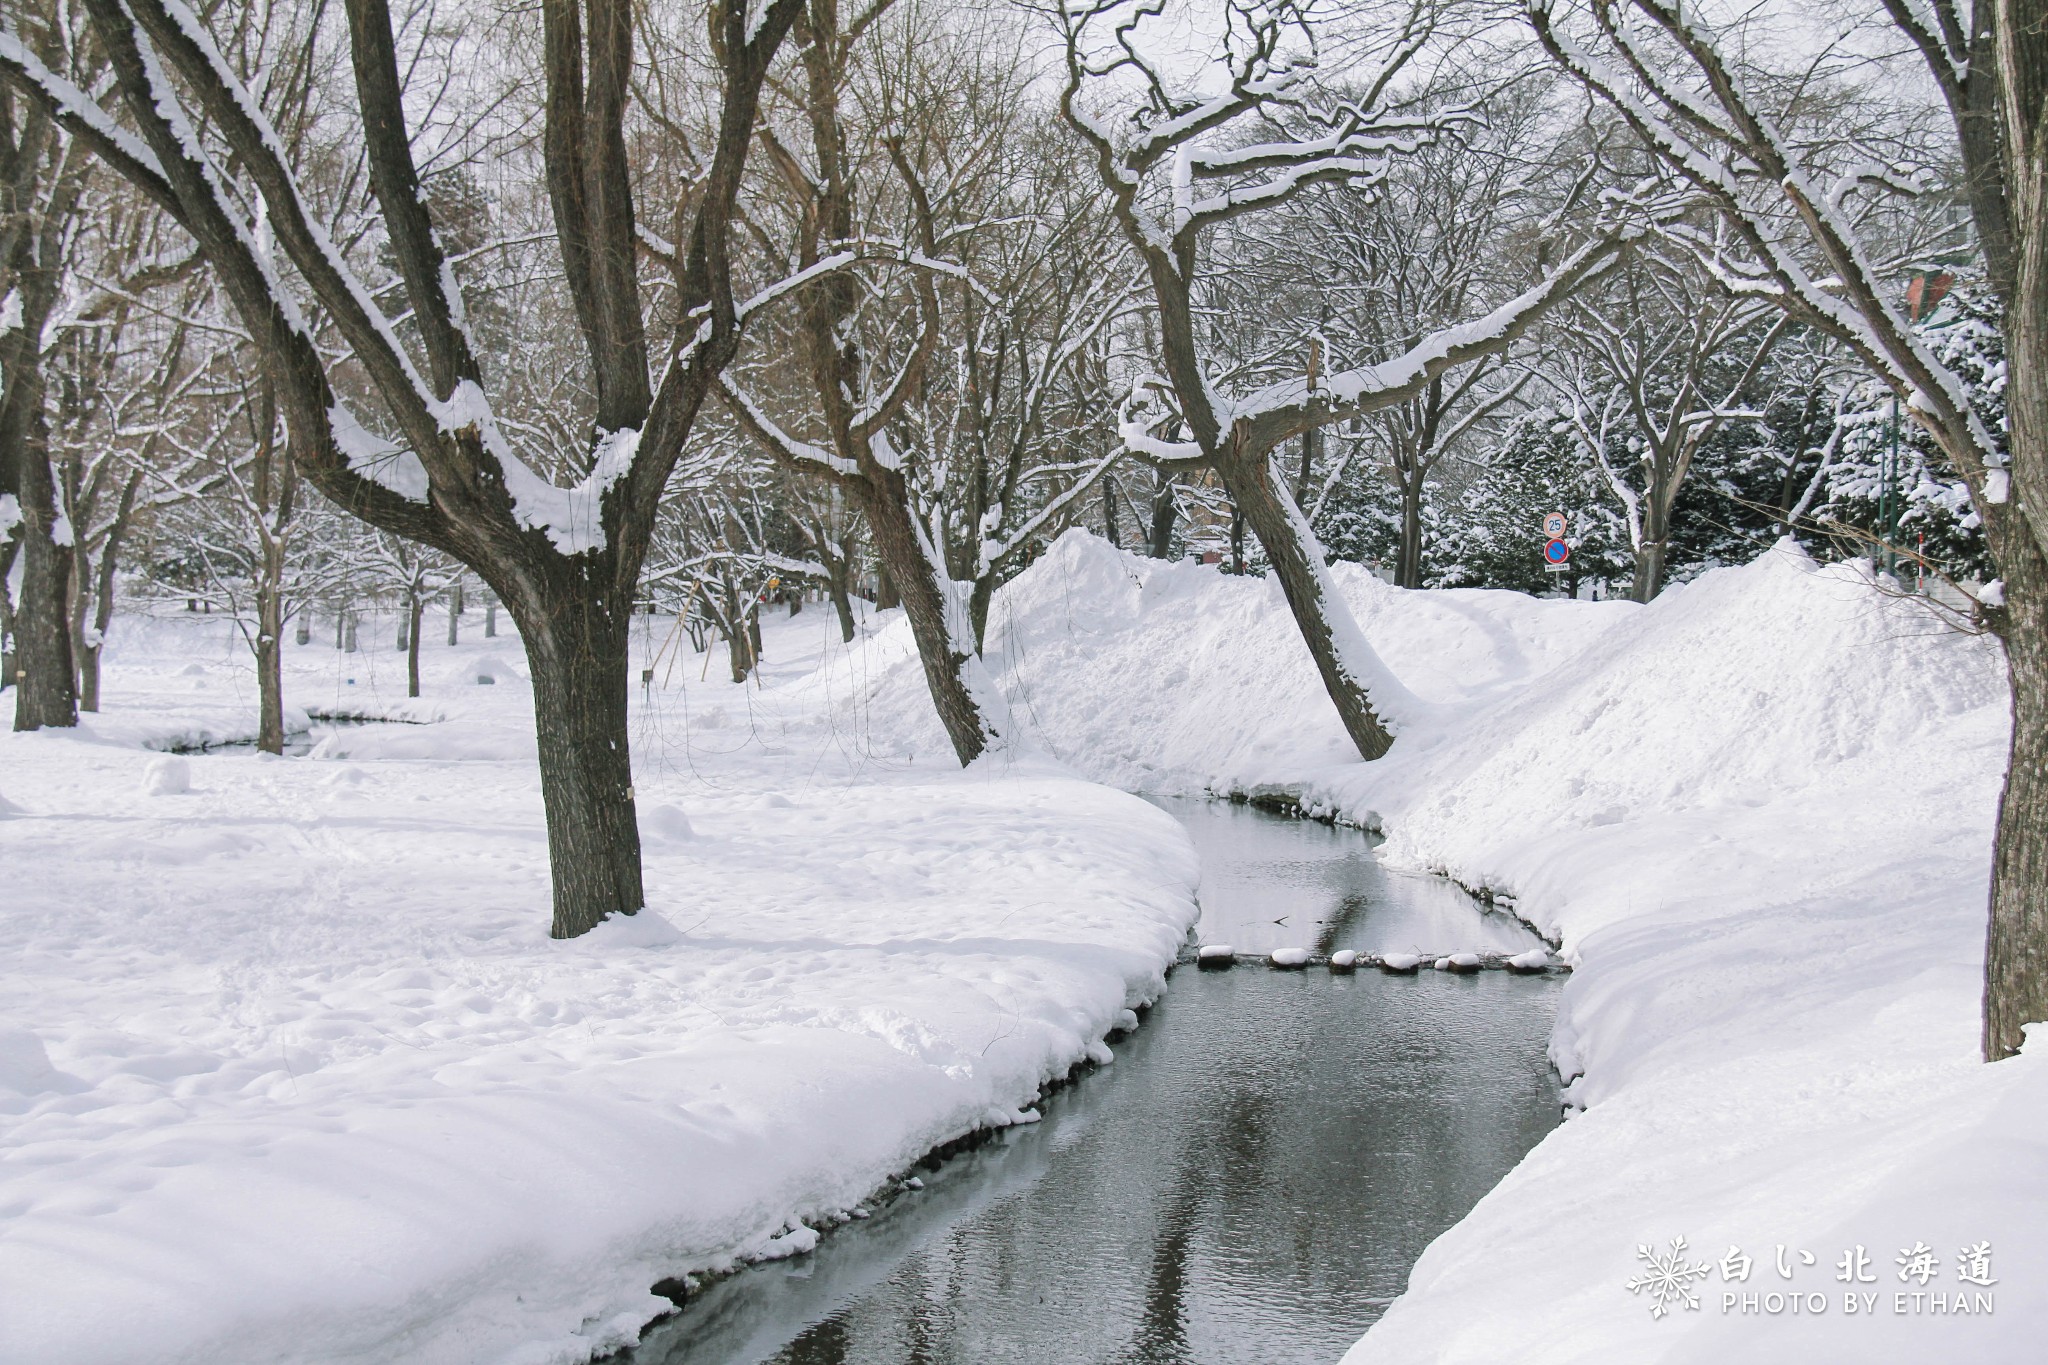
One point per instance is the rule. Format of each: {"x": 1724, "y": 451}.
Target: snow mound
{"x": 667, "y": 824}
{"x": 167, "y": 776}
{"x": 8, "y": 809}
{"x": 484, "y": 671}
{"x": 24, "y": 1064}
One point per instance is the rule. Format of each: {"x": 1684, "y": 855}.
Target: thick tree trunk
{"x": 348, "y": 643}
{"x": 886, "y": 596}
{"x": 2016, "y": 946}
{"x": 45, "y": 692}
{"x": 943, "y": 650}
{"x": 2016, "y": 949}
{"x": 416, "y": 608}
{"x": 576, "y": 649}
{"x": 1306, "y": 584}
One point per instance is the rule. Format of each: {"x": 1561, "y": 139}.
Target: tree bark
{"x": 912, "y": 573}
{"x": 1159, "y": 536}
{"x": 490, "y": 620}
{"x": 45, "y": 692}
{"x": 2016, "y": 943}
{"x": 270, "y": 648}
{"x": 94, "y": 639}
{"x": 416, "y": 607}
{"x": 1408, "y": 558}
{"x": 454, "y": 614}
{"x": 576, "y": 649}
{"x": 1288, "y": 547}
{"x": 2016, "y": 946}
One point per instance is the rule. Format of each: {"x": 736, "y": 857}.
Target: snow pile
{"x": 1757, "y": 816}
{"x": 290, "y": 1071}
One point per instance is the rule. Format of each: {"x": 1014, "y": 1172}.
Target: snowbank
{"x": 289, "y": 1070}
{"x": 1757, "y": 816}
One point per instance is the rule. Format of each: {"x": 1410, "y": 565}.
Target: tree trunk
{"x": 2016, "y": 948}
{"x": 943, "y": 646}
{"x": 416, "y": 607}
{"x": 1408, "y": 560}
{"x": 2016, "y": 945}
{"x": 576, "y": 649}
{"x": 348, "y": 643}
{"x": 1291, "y": 549}
{"x": 1237, "y": 541}
{"x": 454, "y": 614}
{"x": 1159, "y": 537}
{"x": 8, "y": 549}
{"x": 270, "y": 650}
{"x": 842, "y": 599}
{"x": 302, "y": 632}
{"x": 886, "y": 598}
{"x": 490, "y": 620}
{"x": 45, "y": 692}
{"x": 1109, "y": 526}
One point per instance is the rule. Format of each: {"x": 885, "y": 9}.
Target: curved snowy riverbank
{"x": 289, "y": 1070}
{"x": 1758, "y": 814}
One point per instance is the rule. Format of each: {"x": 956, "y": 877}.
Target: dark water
{"x": 1250, "y": 1181}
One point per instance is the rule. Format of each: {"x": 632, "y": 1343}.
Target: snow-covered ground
{"x": 1757, "y": 814}
{"x": 289, "y": 1070}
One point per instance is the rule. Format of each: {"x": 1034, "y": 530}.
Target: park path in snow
{"x": 289, "y": 1070}
{"x": 1757, "y": 815}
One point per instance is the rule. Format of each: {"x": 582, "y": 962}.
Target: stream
{"x": 1250, "y": 1181}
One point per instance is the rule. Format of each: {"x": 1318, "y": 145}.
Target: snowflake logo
{"x": 1668, "y": 1280}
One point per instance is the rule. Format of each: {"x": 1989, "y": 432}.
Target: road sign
{"x": 1553, "y": 524}
{"x": 1556, "y": 551}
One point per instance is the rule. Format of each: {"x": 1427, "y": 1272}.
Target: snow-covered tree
{"x": 1183, "y": 153}
{"x": 198, "y": 132}
{"x": 1799, "y": 210}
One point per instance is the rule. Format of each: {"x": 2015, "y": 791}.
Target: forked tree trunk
{"x": 1290, "y": 548}
{"x": 576, "y": 649}
{"x": 942, "y": 646}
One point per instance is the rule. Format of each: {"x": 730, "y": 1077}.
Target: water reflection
{"x": 1250, "y": 1182}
